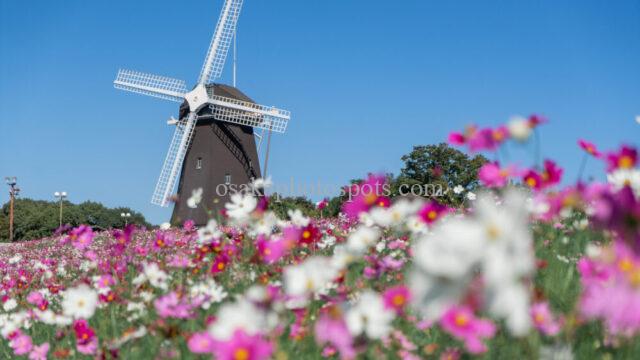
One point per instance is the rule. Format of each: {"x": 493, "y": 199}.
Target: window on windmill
{"x": 199, "y": 164}
{"x": 227, "y": 179}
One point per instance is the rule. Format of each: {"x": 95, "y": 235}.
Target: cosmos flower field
{"x": 526, "y": 268}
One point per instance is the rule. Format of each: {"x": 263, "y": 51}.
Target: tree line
{"x": 35, "y": 219}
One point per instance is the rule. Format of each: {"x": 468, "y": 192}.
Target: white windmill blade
{"x": 222, "y": 38}
{"x": 153, "y": 85}
{"x": 173, "y": 162}
{"x": 247, "y": 113}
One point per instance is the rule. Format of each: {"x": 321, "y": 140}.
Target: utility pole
{"x": 13, "y": 192}
{"x": 61, "y": 196}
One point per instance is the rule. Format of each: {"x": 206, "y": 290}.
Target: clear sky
{"x": 365, "y": 80}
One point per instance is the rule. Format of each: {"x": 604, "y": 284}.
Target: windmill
{"x": 214, "y": 141}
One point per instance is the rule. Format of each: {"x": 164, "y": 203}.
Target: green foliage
{"x": 34, "y": 219}
{"x": 440, "y": 167}
{"x": 280, "y": 205}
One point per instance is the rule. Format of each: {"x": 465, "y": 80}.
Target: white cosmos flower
{"x": 508, "y": 257}
{"x": 157, "y": 278}
{"x": 458, "y": 189}
{"x": 79, "y": 302}
{"x": 209, "y": 233}
{"x": 195, "y": 199}
{"x": 471, "y": 196}
{"x": 362, "y": 238}
{"x": 417, "y": 226}
{"x": 369, "y": 316}
{"x": 265, "y": 224}
{"x": 297, "y": 218}
{"x": 625, "y": 177}
{"x": 10, "y": 304}
{"x": 508, "y": 250}
{"x": 241, "y": 314}
{"x": 450, "y": 250}
{"x": 308, "y": 277}
{"x": 241, "y": 206}
{"x": 209, "y": 291}
{"x": 519, "y": 128}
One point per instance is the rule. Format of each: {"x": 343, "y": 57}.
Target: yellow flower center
{"x": 625, "y": 162}
{"x": 531, "y": 182}
{"x": 241, "y": 354}
{"x": 432, "y": 215}
{"x": 538, "y": 318}
{"x": 493, "y": 232}
{"x": 221, "y": 266}
{"x": 398, "y": 300}
{"x": 306, "y": 234}
{"x": 370, "y": 198}
{"x": 461, "y": 320}
{"x": 625, "y": 265}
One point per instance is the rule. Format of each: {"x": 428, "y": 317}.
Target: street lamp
{"x": 60, "y": 196}
{"x": 126, "y": 217}
{"x": 13, "y": 192}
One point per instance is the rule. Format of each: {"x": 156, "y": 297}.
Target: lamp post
{"x": 13, "y": 192}
{"x": 126, "y": 217}
{"x": 60, "y": 196}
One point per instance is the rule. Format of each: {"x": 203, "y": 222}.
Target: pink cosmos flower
{"x": 21, "y": 344}
{"x": 625, "y": 158}
{"x": 589, "y": 147}
{"x": 332, "y": 330}
{"x": 491, "y": 175}
{"x": 482, "y": 140}
{"x": 243, "y": 346}
{"x": 39, "y": 352}
{"x": 544, "y": 320}
{"x": 201, "y": 343}
{"x": 432, "y": 212}
{"x": 614, "y": 299}
{"x": 105, "y": 281}
{"x": 172, "y": 305}
{"x": 461, "y": 323}
{"x": 35, "y": 297}
{"x": 81, "y": 237}
{"x": 395, "y": 298}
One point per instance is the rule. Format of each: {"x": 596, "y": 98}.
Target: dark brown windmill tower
{"x": 213, "y": 146}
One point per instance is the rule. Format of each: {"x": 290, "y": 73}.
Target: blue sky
{"x": 365, "y": 81}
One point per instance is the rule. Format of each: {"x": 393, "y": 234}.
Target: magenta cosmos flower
{"x": 433, "y": 211}
{"x": 395, "y": 298}
{"x": 625, "y": 158}
{"x": 549, "y": 176}
{"x": 461, "y": 323}
{"x": 589, "y": 147}
{"x": 364, "y": 196}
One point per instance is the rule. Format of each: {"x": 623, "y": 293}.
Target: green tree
{"x": 35, "y": 219}
{"x": 434, "y": 167}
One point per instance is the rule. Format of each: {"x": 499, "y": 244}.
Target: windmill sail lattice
{"x": 173, "y": 162}
{"x": 221, "y": 41}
